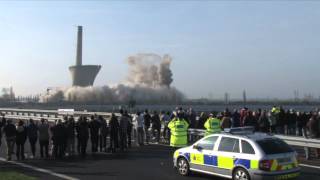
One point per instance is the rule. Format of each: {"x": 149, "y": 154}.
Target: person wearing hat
{"x": 212, "y": 125}
{"x": 178, "y": 128}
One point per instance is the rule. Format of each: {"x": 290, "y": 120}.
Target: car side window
{"x": 246, "y": 147}
{"x": 208, "y": 143}
{"x": 229, "y": 145}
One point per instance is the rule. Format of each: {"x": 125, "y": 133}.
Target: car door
{"x": 201, "y": 155}
{"x": 228, "y": 150}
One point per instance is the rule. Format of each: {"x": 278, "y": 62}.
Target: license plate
{"x": 287, "y": 176}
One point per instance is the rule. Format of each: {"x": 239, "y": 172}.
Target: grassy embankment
{"x": 11, "y": 175}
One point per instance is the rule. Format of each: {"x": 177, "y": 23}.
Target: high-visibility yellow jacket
{"x": 212, "y": 125}
{"x": 178, "y": 129}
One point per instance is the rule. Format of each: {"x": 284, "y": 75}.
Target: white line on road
{"x": 310, "y": 166}
{"x": 40, "y": 170}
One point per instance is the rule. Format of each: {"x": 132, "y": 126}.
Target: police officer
{"x": 178, "y": 127}
{"x": 212, "y": 125}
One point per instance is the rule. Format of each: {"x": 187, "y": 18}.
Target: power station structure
{"x": 82, "y": 75}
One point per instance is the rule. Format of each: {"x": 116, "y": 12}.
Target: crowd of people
{"x": 69, "y": 136}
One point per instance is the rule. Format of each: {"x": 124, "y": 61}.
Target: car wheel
{"x": 183, "y": 167}
{"x": 240, "y": 174}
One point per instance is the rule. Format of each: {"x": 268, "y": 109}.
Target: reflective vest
{"x": 178, "y": 129}
{"x": 212, "y": 125}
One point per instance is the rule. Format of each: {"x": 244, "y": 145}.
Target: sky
{"x": 268, "y": 48}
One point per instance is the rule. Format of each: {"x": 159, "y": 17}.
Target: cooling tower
{"x": 82, "y": 75}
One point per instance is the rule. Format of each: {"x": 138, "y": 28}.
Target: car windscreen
{"x": 274, "y": 146}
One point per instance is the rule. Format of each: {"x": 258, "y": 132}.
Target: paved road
{"x": 146, "y": 163}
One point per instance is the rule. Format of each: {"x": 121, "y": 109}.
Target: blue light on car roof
{"x": 240, "y": 130}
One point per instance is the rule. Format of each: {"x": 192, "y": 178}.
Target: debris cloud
{"x": 149, "y": 81}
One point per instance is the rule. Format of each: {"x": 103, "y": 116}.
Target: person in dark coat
{"x": 94, "y": 126}
{"x": 2, "y": 124}
{"x": 103, "y": 134}
{"x": 191, "y": 116}
{"x": 156, "y": 126}
{"x": 10, "y": 133}
{"x": 43, "y": 129}
{"x": 124, "y": 124}
{"x": 129, "y": 128}
{"x": 70, "y": 130}
{"x": 235, "y": 119}
{"x": 147, "y": 123}
{"x": 32, "y": 130}
{"x": 248, "y": 120}
{"x": 114, "y": 132}
{"x": 202, "y": 119}
{"x": 83, "y": 135}
{"x": 21, "y": 139}
{"x": 263, "y": 122}
{"x": 58, "y": 138}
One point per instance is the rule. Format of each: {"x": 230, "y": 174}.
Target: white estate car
{"x": 239, "y": 154}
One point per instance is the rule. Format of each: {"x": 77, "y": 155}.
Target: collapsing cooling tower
{"x": 82, "y": 75}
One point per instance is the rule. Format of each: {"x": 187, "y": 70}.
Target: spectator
{"x": 226, "y": 121}
{"x": 43, "y": 129}
{"x": 103, "y": 134}
{"x": 292, "y": 122}
{"x": 129, "y": 128}
{"x": 202, "y": 119}
{"x": 70, "y": 127}
{"x": 156, "y": 126}
{"x": 94, "y": 127}
{"x": 10, "y": 133}
{"x": 147, "y": 123}
{"x": 191, "y": 116}
{"x": 114, "y": 133}
{"x": 124, "y": 123}
{"x": 312, "y": 129}
{"x": 2, "y": 124}
{"x": 263, "y": 122}
{"x": 21, "y": 140}
{"x": 235, "y": 119}
{"x": 83, "y": 136}
{"x": 138, "y": 118}
{"x": 32, "y": 130}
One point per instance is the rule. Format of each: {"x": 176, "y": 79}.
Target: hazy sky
{"x": 268, "y": 48}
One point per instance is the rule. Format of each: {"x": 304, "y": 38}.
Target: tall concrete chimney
{"x": 79, "y": 47}
{"x": 82, "y": 75}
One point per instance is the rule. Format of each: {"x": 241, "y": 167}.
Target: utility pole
{"x": 226, "y": 98}
{"x": 244, "y": 95}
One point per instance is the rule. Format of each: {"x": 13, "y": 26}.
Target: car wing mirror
{"x": 199, "y": 148}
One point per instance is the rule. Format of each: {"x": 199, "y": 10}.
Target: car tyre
{"x": 240, "y": 174}
{"x": 183, "y": 167}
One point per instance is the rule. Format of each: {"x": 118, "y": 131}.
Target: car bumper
{"x": 175, "y": 162}
{"x": 283, "y": 175}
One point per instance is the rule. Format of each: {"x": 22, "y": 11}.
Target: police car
{"x": 239, "y": 154}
